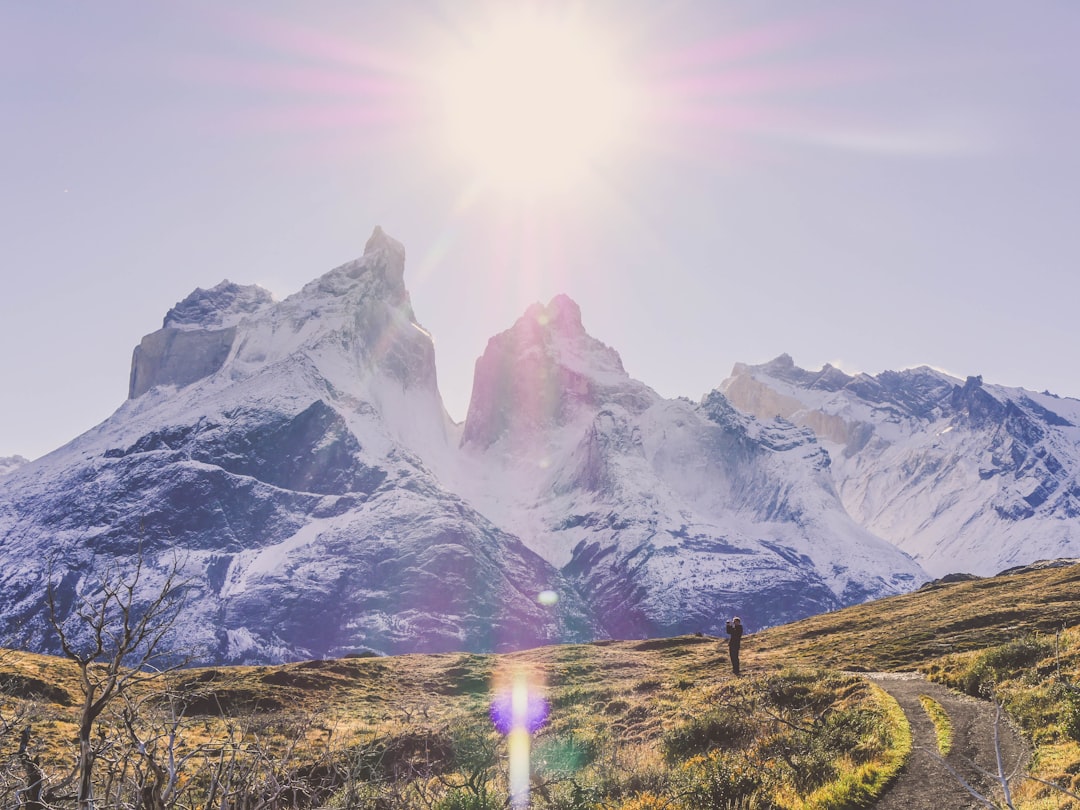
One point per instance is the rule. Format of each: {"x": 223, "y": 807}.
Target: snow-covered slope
{"x": 963, "y": 475}
{"x": 11, "y": 463}
{"x": 286, "y": 478}
{"x": 295, "y": 458}
{"x": 671, "y": 515}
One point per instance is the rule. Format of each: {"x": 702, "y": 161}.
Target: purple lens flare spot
{"x": 502, "y": 712}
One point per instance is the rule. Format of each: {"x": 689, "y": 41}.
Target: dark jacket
{"x": 735, "y": 631}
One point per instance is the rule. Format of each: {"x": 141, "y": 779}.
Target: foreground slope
{"x": 941, "y": 618}
{"x": 621, "y": 724}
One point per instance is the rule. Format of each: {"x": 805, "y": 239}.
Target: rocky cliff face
{"x": 963, "y": 475}
{"x": 177, "y": 357}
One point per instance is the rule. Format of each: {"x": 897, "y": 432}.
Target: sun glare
{"x": 533, "y": 104}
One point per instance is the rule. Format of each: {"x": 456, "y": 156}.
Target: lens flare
{"x": 531, "y": 710}
{"x": 547, "y": 598}
{"x": 519, "y": 743}
{"x": 518, "y": 711}
{"x": 533, "y": 101}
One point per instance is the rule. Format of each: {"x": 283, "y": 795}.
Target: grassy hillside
{"x": 623, "y": 724}
{"x": 632, "y": 724}
{"x": 904, "y": 632}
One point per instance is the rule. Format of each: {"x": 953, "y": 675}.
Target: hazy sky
{"x": 873, "y": 185}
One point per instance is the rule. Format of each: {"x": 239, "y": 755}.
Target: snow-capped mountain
{"x": 672, "y": 515}
{"x": 961, "y": 474}
{"x": 281, "y": 473}
{"x": 296, "y": 460}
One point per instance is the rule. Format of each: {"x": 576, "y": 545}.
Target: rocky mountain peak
{"x": 377, "y": 276}
{"x": 219, "y": 307}
{"x": 380, "y": 241}
{"x": 977, "y": 403}
{"x": 544, "y": 325}
{"x": 386, "y": 257}
{"x": 780, "y": 364}
{"x": 540, "y": 373}
{"x": 828, "y": 378}
{"x": 565, "y": 315}
{"x": 361, "y": 307}
{"x": 831, "y": 378}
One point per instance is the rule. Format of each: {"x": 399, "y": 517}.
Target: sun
{"x": 533, "y": 104}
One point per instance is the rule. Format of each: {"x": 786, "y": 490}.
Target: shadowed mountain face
{"x": 963, "y": 475}
{"x": 295, "y": 459}
{"x": 286, "y": 476}
{"x": 670, "y": 515}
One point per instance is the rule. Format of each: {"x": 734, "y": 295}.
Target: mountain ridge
{"x": 934, "y": 463}
{"x": 296, "y": 456}
{"x": 284, "y": 481}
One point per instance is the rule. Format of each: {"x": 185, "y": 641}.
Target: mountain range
{"x": 295, "y": 460}
{"x": 961, "y": 474}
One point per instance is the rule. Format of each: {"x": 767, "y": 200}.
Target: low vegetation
{"x": 620, "y": 725}
{"x": 904, "y": 632}
{"x": 1036, "y": 680}
{"x": 942, "y": 724}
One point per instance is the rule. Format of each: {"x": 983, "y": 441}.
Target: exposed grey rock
{"x": 220, "y": 306}
{"x": 178, "y": 357}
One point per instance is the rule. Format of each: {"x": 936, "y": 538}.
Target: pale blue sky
{"x": 874, "y": 185}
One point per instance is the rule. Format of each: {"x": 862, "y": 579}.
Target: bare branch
{"x": 1003, "y": 780}
{"x": 985, "y": 802}
{"x": 126, "y": 646}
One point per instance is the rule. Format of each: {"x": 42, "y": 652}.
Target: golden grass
{"x": 907, "y": 631}
{"x": 614, "y": 705}
{"x": 860, "y": 784}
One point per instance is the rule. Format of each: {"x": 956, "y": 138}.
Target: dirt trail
{"x": 925, "y": 784}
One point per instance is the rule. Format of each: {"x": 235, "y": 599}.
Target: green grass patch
{"x": 942, "y": 724}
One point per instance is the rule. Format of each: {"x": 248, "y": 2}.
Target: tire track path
{"x": 925, "y": 783}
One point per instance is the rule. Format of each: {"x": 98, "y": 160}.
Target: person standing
{"x": 734, "y": 631}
